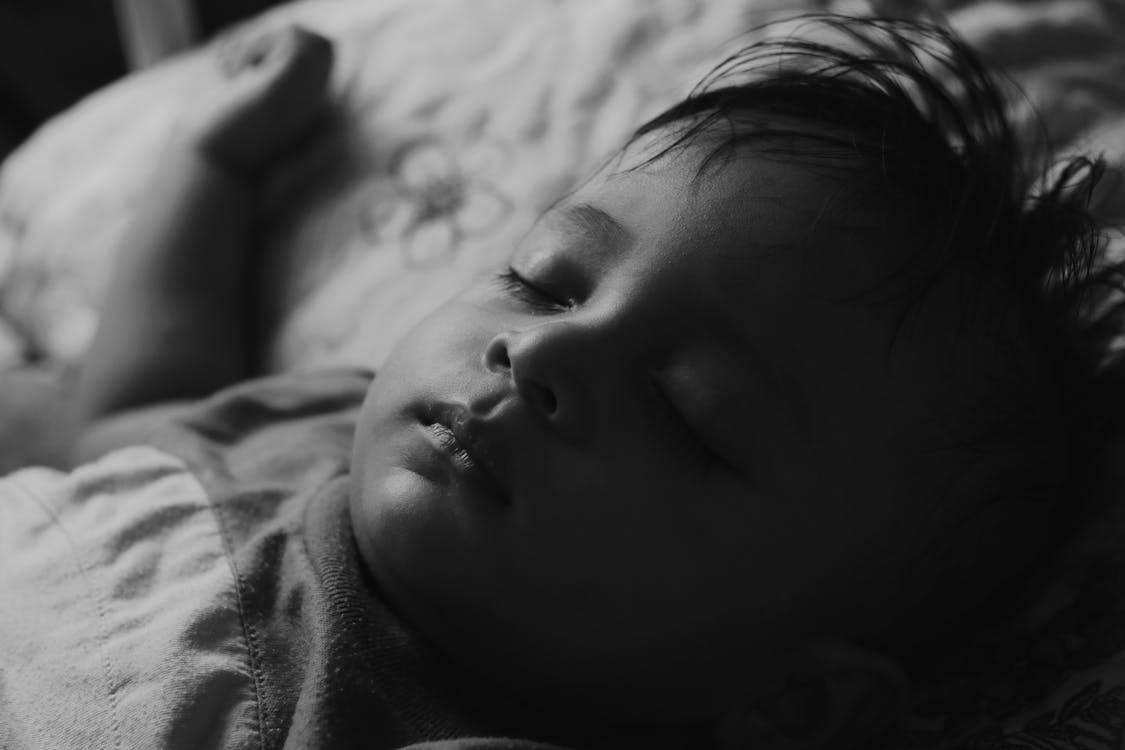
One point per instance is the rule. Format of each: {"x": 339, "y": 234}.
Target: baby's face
{"x": 664, "y": 447}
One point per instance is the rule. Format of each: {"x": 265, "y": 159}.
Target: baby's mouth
{"x": 462, "y": 439}
{"x": 448, "y": 440}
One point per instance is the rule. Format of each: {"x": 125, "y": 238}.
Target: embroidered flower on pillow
{"x": 443, "y": 196}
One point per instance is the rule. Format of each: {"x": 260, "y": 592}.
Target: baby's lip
{"x": 474, "y": 438}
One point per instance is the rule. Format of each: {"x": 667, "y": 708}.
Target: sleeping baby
{"x": 708, "y": 463}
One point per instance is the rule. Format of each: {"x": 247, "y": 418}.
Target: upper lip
{"x": 470, "y": 432}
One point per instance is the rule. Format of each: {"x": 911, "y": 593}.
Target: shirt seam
{"x": 249, "y": 632}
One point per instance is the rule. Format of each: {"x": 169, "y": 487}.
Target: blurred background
{"x": 54, "y": 52}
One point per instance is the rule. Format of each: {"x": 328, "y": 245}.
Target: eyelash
{"x": 541, "y": 301}
{"x": 684, "y": 430}
{"x": 533, "y": 296}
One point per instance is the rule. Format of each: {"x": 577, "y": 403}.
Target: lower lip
{"x": 448, "y": 442}
{"x": 463, "y": 461}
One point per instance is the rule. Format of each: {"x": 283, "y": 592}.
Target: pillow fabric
{"x": 456, "y": 124}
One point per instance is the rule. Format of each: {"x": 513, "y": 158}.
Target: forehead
{"x": 757, "y": 220}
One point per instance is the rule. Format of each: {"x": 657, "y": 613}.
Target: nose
{"x": 549, "y": 366}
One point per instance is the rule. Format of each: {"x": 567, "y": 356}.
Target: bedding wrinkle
{"x": 94, "y": 672}
{"x": 126, "y": 627}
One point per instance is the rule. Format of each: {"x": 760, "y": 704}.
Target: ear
{"x": 838, "y": 696}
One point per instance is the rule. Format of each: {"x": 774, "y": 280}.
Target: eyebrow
{"x": 593, "y": 225}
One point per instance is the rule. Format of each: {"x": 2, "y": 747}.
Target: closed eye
{"x": 532, "y": 295}
{"x": 685, "y": 433}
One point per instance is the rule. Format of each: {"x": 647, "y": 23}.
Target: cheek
{"x": 433, "y": 360}
{"x": 451, "y": 338}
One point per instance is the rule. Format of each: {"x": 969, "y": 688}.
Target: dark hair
{"x": 920, "y": 114}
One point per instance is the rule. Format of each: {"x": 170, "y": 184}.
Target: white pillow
{"x": 458, "y": 123}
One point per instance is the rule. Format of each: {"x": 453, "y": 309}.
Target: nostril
{"x": 496, "y": 355}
